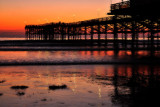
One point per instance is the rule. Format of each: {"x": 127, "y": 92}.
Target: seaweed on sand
{"x": 1, "y": 94}
{"x": 19, "y": 87}
{"x": 2, "y": 81}
{"x": 55, "y": 87}
{"x": 44, "y": 100}
{"x": 20, "y": 93}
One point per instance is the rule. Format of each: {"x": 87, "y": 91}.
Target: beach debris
{"x": 19, "y": 87}
{"x": 60, "y": 102}
{"x": 44, "y": 99}
{"x": 20, "y": 93}
{"x": 91, "y": 104}
{"x": 90, "y": 92}
{"x": 55, "y": 87}
{"x": 1, "y": 94}
{"x": 2, "y": 81}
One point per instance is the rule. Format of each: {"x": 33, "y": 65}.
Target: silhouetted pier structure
{"x": 132, "y": 22}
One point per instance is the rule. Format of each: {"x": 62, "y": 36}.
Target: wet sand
{"x": 87, "y": 86}
{"x": 80, "y": 90}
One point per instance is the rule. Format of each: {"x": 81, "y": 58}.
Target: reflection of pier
{"x": 140, "y": 89}
{"x": 129, "y": 25}
{"x": 134, "y": 86}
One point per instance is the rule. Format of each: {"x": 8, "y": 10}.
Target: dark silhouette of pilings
{"x": 126, "y": 30}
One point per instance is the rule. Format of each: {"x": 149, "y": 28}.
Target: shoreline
{"x": 82, "y": 49}
{"x": 81, "y": 63}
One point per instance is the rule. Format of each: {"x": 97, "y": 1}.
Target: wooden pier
{"x": 121, "y": 28}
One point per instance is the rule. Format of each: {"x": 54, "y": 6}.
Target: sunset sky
{"x": 15, "y": 14}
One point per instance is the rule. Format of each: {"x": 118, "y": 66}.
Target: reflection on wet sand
{"x": 90, "y": 85}
{"x": 141, "y": 89}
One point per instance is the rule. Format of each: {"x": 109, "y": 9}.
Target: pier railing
{"x": 122, "y": 5}
{"x": 94, "y": 20}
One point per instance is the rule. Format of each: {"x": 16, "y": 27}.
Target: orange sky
{"x": 15, "y": 14}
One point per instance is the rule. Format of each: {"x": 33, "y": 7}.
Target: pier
{"x": 128, "y": 26}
